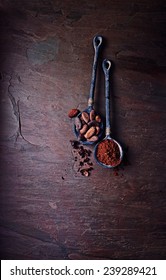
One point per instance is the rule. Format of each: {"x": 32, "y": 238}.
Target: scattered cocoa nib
{"x": 75, "y": 144}
{"x": 88, "y": 152}
{"x": 87, "y": 159}
{"x": 85, "y": 172}
{"x": 82, "y": 156}
{"x": 92, "y": 115}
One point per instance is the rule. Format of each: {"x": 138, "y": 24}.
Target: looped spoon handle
{"x": 106, "y": 68}
{"x": 97, "y": 41}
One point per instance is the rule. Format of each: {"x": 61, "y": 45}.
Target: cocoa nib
{"x": 82, "y": 157}
{"x": 85, "y": 172}
{"x": 75, "y": 144}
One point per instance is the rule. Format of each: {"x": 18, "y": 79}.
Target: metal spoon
{"x": 97, "y": 42}
{"x": 106, "y": 68}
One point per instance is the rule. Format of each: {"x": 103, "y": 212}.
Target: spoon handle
{"x": 97, "y": 41}
{"x": 106, "y": 68}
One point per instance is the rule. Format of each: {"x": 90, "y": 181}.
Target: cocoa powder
{"x": 108, "y": 152}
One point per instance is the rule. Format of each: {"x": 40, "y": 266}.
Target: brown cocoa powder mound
{"x": 108, "y": 152}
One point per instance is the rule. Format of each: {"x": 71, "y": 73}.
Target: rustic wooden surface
{"x": 48, "y": 209}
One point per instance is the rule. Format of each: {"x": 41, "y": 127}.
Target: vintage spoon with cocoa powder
{"x": 108, "y": 152}
{"x": 88, "y": 124}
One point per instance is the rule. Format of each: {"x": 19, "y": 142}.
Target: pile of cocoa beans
{"x": 87, "y": 125}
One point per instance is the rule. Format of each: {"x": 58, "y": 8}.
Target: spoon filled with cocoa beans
{"x": 88, "y": 124}
{"x": 108, "y": 152}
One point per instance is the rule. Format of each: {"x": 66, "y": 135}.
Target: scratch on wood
{"x": 16, "y": 110}
{"x": 53, "y": 205}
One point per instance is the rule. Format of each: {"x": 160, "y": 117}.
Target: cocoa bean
{"x": 85, "y": 172}
{"x": 84, "y": 129}
{"x": 92, "y": 115}
{"x": 90, "y": 132}
{"x": 98, "y": 119}
{"x": 73, "y": 113}
{"x": 97, "y": 130}
{"x": 93, "y": 123}
{"x": 82, "y": 121}
{"x": 94, "y": 138}
{"x": 85, "y": 117}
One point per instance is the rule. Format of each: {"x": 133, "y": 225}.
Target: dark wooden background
{"x": 48, "y": 209}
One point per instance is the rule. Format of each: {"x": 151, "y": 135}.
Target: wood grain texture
{"x": 48, "y": 209}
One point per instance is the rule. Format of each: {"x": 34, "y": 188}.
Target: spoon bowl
{"x": 115, "y": 163}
